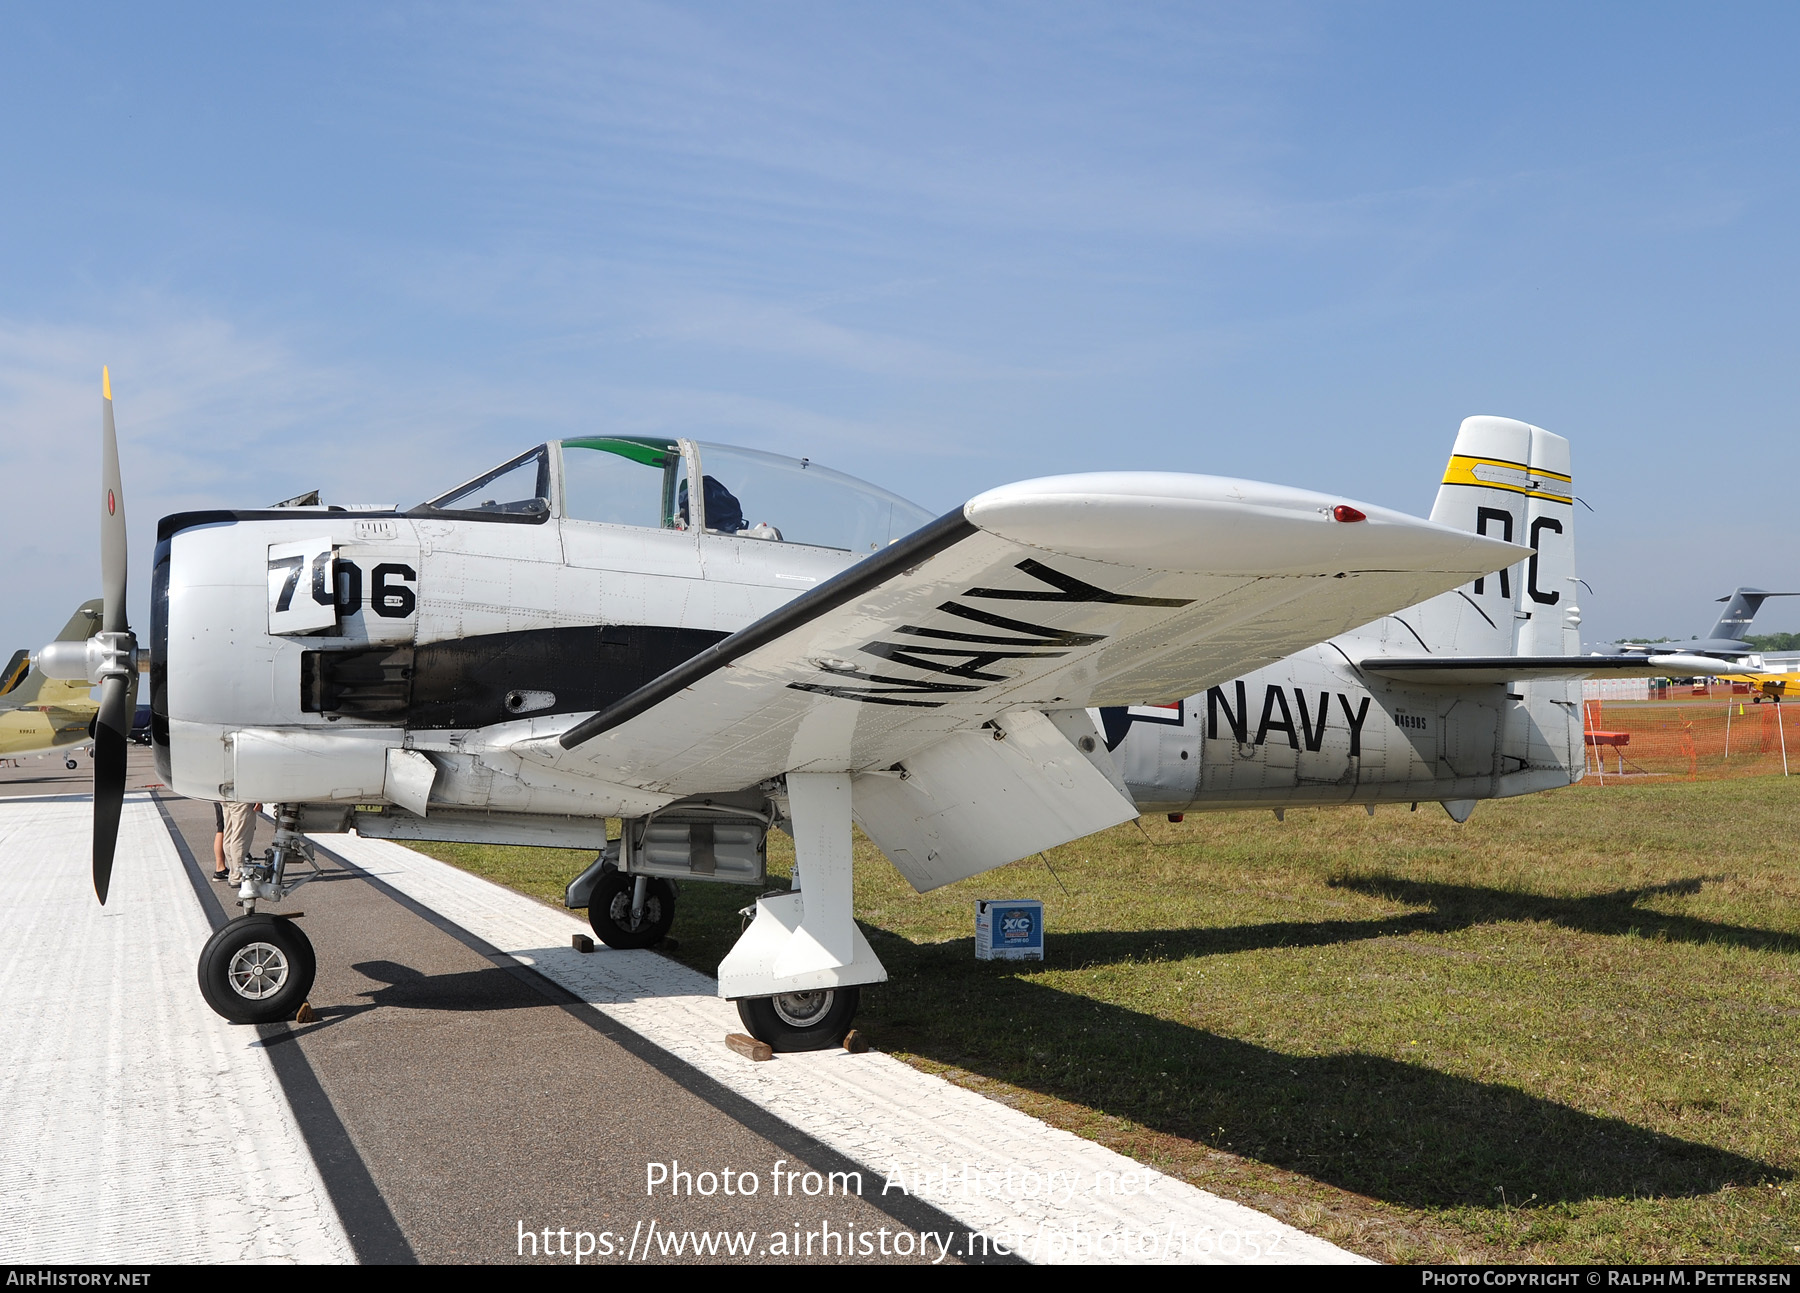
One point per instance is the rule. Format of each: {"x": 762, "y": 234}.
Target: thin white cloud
{"x": 1037, "y": 119}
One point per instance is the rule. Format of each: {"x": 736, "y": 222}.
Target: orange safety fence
{"x": 1727, "y": 735}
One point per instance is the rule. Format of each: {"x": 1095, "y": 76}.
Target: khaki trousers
{"x": 240, "y": 830}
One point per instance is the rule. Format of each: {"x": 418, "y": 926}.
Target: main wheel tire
{"x": 609, "y": 911}
{"x": 257, "y": 969}
{"x": 801, "y": 1021}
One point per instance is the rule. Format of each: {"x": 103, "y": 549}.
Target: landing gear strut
{"x": 266, "y": 877}
{"x": 796, "y": 973}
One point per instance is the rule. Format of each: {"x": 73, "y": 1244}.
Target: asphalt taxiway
{"x": 468, "y": 1079}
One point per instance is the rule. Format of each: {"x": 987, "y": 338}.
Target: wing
{"x": 1055, "y": 594}
{"x": 65, "y": 720}
{"x": 1478, "y": 670}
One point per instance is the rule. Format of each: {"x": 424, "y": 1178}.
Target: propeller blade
{"x": 118, "y": 690}
{"x": 110, "y": 729}
{"x": 112, "y": 518}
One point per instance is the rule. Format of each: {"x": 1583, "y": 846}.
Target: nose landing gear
{"x": 257, "y": 969}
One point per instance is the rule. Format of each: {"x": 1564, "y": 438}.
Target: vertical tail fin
{"x": 1509, "y": 480}
{"x": 15, "y": 671}
{"x": 1734, "y": 624}
{"x": 1512, "y": 480}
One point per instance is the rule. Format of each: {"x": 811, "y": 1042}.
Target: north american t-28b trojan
{"x": 708, "y": 642}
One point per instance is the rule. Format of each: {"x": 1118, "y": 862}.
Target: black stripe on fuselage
{"x": 466, "y": 682}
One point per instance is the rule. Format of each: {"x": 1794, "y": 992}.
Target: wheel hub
{"x": 803, "y": 1009}
{"x": 258, "y": 970}
{"x": 620, "y": 911}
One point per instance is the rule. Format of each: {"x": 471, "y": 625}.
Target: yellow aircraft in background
{"x": 1777, "y": 679}
{"x": 39, "y": 713}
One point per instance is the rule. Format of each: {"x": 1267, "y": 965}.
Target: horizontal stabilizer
{"x": 1489, "y": 670}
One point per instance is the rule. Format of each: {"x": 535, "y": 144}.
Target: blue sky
{"x": 375, "y": 248}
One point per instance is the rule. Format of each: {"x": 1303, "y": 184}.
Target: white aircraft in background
{"x": 707, "y": 642}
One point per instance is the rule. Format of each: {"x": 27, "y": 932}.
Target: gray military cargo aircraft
{"x": 1727, "y": 637}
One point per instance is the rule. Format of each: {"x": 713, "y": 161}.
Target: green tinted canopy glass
{"x": 652, "y": 452}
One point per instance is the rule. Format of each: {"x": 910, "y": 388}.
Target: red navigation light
{"x": 1344, "y": 512}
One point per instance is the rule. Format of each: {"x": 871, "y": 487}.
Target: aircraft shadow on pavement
{"x": 405, "y": 988}
{"x": 1392, "y": 1130}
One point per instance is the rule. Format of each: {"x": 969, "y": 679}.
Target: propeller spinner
{"x": 109, "y": 658}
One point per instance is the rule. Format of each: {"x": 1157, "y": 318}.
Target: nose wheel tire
{"x": 801, "y": 1021}
{"x": 609, "y": 910}
{"x": 257, "y": 970}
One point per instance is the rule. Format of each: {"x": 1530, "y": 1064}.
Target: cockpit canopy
{"x": 640, "y": 481}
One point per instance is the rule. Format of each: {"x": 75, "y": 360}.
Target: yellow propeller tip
{"x": 105, "y": 382}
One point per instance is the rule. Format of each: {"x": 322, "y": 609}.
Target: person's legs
{"x": 219, "y": 867}
{"x": 240, "y": 830}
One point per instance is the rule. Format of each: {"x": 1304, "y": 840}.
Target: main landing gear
{"x": 801, "y": 1021}
{"x": 628, "y": 911}
{"x": 796, "y": 973}
{"x": 635, "y": 911}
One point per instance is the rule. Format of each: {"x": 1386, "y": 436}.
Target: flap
{"x": 979, "y": 799}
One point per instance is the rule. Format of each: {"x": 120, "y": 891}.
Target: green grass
{"x": 1562, "y": 1032}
